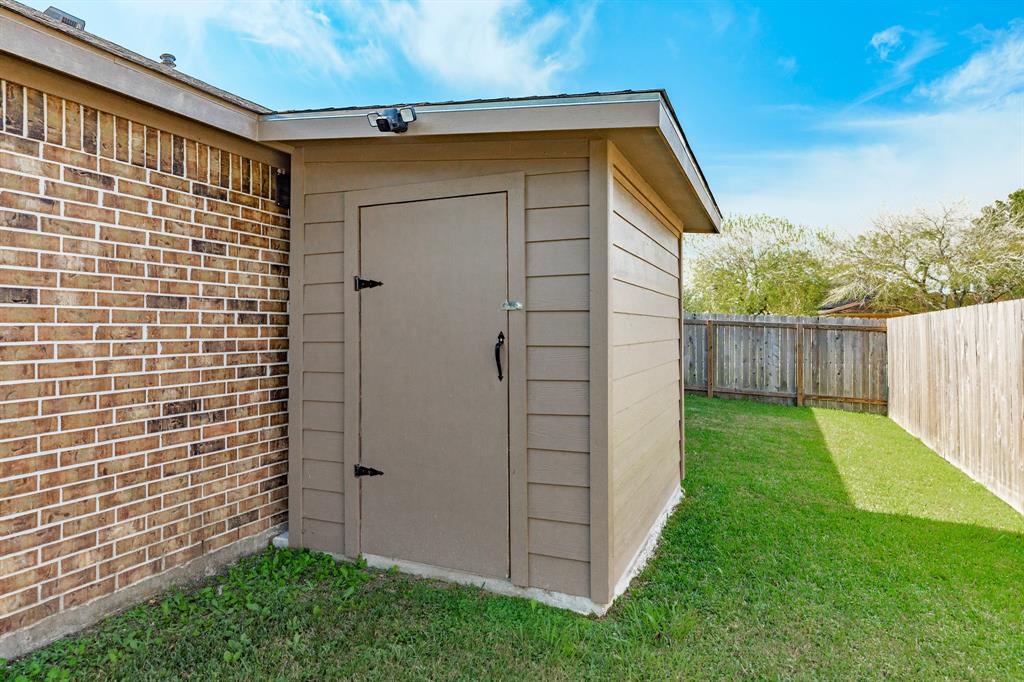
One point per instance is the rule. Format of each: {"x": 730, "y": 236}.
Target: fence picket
{"x": 826, "y": 362}
{"x": 957, "y": 383}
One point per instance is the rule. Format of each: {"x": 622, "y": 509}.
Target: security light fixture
{"x": 392, "y": 120}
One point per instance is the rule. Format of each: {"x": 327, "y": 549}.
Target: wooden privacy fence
{"x": 957, "y": 383}
{"x": 814, "y": 361}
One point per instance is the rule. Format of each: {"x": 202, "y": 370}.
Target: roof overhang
{"x": 40, "y": 40}
{"x": 642, "y": 124}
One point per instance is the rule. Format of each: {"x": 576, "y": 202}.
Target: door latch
{"x": 367, "y": 471}
{"x": 366, "y": 283}
{"x": 510, "y": 305}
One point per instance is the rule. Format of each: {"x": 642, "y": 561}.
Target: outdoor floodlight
{"x": 392, "y": 120}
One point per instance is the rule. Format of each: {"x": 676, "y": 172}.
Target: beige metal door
{"x": 434, "y": 415}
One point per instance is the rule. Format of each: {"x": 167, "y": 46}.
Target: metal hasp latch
{"x": 366, "y": 283}
{"x": 509, "y": 305}
{"x": 367, "y": 471}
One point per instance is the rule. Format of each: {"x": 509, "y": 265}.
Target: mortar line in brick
{"x": 148, "y": 232}
{"x": 58, "y": 561}
{"x": 208, "y": 201}
{"x": 256, "y": 272}
{"x": 160, "y": 402}
{"x": 129, "y": 438}
{"x": 112, "y": 477}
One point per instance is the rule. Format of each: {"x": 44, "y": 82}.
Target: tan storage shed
{"x": 485, "y": 337}
{"x": 186, "y": 362}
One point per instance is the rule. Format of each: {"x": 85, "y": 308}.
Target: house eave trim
{"x": 23, "y": 39}
{"x": 542, "y": 114}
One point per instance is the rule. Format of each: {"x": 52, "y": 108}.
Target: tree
{"x": 916, "y": 262}
{"x": 759, "y": 265}
{"x": 1004, "y": 210}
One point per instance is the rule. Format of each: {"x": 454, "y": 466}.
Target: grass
{"x": 811, "y": 544}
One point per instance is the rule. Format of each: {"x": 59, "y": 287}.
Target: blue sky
{"x": 827, "y": 113}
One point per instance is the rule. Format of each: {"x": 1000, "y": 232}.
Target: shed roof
{"x": 642, "y": 123}
{"x": 531, "y": 100}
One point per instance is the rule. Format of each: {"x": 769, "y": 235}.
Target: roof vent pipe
{"x": 167, "y": 59}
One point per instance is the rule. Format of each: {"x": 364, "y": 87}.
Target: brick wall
{"x": 143, "y": 352}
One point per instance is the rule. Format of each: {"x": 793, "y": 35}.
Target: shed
{"x": 218, "y": 321}
{"x": 485, "y": 365}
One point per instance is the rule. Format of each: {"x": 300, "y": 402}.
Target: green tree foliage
{"x": 1003, "y": 210}
{"x": 916, "y": 262}
{"x": 909, "y": 262}
{"x": 759, "y": 265}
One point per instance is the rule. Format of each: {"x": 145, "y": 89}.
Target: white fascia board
{"x": 589, "y": 112}
{"x": 32, "y": 44}
{"x": 635, "y": 110}
{"x": 673, "y": 136}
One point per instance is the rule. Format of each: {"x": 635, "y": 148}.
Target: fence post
{"x": 799, "y": 365}
{"x": 710, "y": 360}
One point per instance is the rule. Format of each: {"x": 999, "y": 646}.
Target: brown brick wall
{"x": 143, "y": 352}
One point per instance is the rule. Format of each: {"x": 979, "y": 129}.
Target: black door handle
{"x": 497, "y": 353}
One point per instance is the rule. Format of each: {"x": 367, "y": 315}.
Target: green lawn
{"x": 811, "y": 544}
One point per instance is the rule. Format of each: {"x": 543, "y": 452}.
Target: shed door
{"x": 434, "y": 416}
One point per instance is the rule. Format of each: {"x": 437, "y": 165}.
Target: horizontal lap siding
{"x": 557, "y": 310}
{"x": 323, "y": 353}
{"x": 558, "y": 390}
{"x": 646, "y": 390}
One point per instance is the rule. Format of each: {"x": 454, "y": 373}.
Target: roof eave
{"x": 672, "y": 133}
{"x": 620, "y": 111}
{"x": 472, "y": 118}
{"x": 27, "y": 37}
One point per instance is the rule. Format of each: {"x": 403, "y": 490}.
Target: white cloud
{"x": 903, "y": 49}
{"x": 291, "y": 27}
{"x": 295, "y": 31}
{"x": 965, "y": 144}
{"x": 901, "y": 162}
{"x": 989, "y": 73}
{"x": 887, "y": 40}
{"x": 488, "y": 47}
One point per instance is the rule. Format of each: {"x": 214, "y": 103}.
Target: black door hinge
{"x": 366, "y": 283}
{"x": 367, "y": 471}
